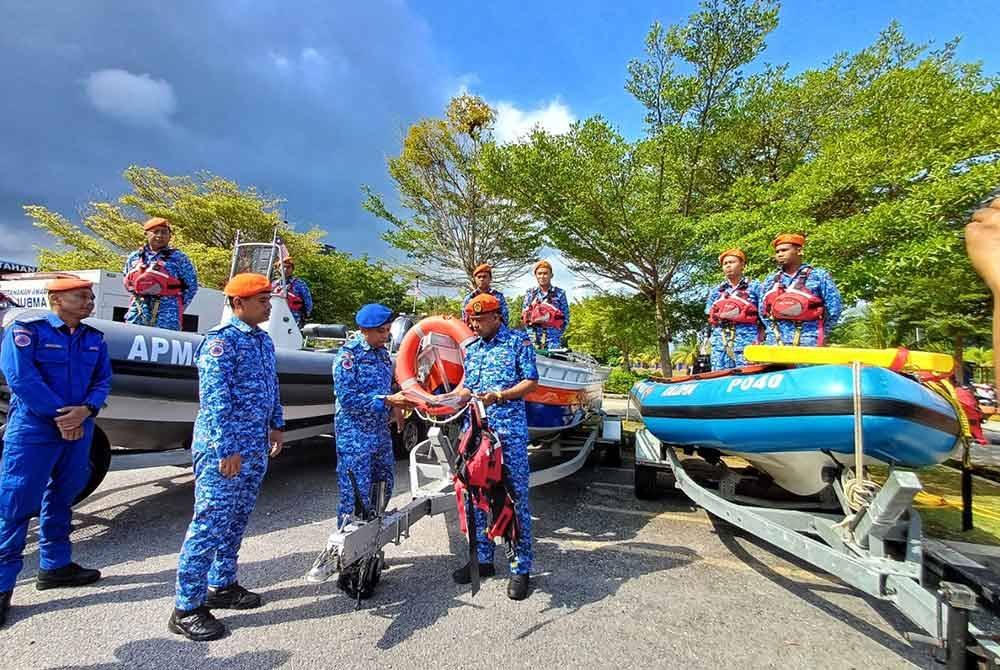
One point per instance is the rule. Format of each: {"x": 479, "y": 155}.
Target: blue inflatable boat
{"x": 792, "y": 421}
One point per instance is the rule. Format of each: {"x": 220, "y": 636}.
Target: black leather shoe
{"x": 4, "y": 606}
{"x": 232, "y": 597}
{"x": 464, "y": 575}
{"x": 67, "y": 575}
{"x": 517, "y": 587}
{"x": 197, "y": 624}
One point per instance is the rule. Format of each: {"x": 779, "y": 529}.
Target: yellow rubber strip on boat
{"x": 915, "y": 360}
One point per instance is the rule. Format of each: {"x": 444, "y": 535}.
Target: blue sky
{"x": 306, "y": 99}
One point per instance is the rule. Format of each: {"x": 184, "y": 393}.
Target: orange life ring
{"x": 406, "y": 361}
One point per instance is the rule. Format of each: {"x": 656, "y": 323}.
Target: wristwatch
{"x": 94, "y": 409}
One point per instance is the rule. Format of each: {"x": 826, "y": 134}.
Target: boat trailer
{"x": 360, "y": 542}
{"x": 879, "y": 551}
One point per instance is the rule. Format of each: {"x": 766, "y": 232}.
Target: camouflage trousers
{"x": 222, "y": 508}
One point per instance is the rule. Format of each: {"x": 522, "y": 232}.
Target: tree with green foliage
{"x": 899, "y": 143}
{"x": 612, "y": 324}
{"x": 453, "y": 224}
{"x": 205, "y": 211}
{"x": 630, "y": 212}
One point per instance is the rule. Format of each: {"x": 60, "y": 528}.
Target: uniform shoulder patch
{"x": 216, "y": 347}
{"x": 22, "y": 338}
{"x": 346, "y": 360}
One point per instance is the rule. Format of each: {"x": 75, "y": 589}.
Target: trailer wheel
{"x": 414, "y": 432}
{"x": 646, "y": 487}
{"x": 100, "y": 461}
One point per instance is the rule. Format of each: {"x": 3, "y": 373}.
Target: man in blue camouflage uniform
{"x": 300, "y": 300}
{"x": 483, "y": 276}
{"x": 362, "y": 383}
{"x": 239, "y": 424}
{"x": 795, "y": 278}
{"x": 500, "y": 370}
{"x": 732, "y": 312}
{"x": 59, "y": 374}
{"x": 545, "y": 292}
{"x": 153, "y": 310}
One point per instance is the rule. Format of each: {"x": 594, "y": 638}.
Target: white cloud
{"x": 281, "y": 62}
{"x": 311, "y": 56}
{"x": 311, "y": 66}
{"x": 514, "y": 124}
{"x": 134, "y": 98}
{"x": 462, "y": 85}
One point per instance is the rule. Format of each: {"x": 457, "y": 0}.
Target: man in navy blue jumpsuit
{"x": 239, "y": 424}
{"x": 59, "y": 374}
{"x": 500, "y": 370}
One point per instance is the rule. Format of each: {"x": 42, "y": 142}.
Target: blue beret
{"x": 373, "y": 315}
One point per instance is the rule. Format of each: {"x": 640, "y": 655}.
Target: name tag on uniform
{"x": 49, "y": 345}
{"x": 93, "y": 348}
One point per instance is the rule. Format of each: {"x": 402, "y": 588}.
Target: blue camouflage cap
{"x": 373, "y": 315}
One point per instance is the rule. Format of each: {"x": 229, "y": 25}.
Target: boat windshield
{"x": 259, "y": 258}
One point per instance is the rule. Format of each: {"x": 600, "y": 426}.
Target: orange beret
{"x": 155, "y": 222}
{"x": 247, "y": 285}
{"x": 733, "y": 252}
{"x": 789, "y": 238}
{"x": 481, "y": 304}
{"x": 542, "y": 264}
{"x": 67, "y": 284}
{"x": 485, "y": 267}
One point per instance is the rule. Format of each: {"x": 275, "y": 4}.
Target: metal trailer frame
{"x": 434, "y": 459}
{"x": 878, "y": 551}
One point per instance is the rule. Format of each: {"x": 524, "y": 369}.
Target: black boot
{"x": 517, "y": 587}
{"x": 464, "y": 575}
{"x": 197, "y": 624}
{"x": 4, "y": 606}
{"x": 232, "y": 597}
{"x": 67, "y": 575}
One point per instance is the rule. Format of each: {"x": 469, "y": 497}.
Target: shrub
{"x": 621, "y": 380}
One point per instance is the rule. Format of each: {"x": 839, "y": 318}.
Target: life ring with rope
{"x": 446, "y": 368}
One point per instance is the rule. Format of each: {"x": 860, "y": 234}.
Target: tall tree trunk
{"x": 662, "y": 335}
{"x": 958, "y": 354}
{"x": 626, "y": 360}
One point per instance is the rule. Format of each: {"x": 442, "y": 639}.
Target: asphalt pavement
{"x": 617, "y": 583}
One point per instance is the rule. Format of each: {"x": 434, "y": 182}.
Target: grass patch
{"x": 940, "y": 505}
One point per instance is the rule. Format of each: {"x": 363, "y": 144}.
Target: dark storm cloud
{"x": 302, "y": 99}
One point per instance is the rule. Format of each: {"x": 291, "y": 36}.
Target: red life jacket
{"x": 295, "y": 301}
{"x": 542, "y": 313}
{"x": 153, "y": 280}
{"x": 479, "y": 475}
{"x": 733, "y": 306}
{"x": 794, "y": 303}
